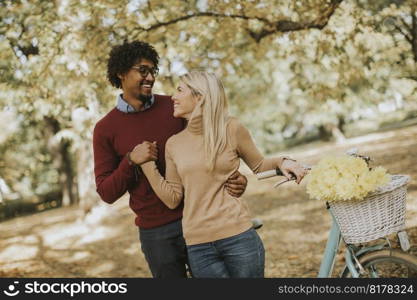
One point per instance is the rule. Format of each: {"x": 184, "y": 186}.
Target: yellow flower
{"x": 344, "y": 178}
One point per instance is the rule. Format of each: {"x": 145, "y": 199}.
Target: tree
{"x": 293, "y": 70}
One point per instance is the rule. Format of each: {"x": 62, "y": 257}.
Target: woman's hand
{"x": 144, "y": 152}
{"x": 291, "y": 168}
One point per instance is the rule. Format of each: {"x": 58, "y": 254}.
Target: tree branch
{"x": 288, "y": 25}
{"x": 269, "y": 27}
{"x": 405, "y": 24}
{"x": 405, "y": 34}
{"x": 205, "y": 14}
{"x": 153, "y": 14}
{"x": 410, "y": 77}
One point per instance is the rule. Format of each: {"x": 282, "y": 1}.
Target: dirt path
{"x": 60, "y": 243}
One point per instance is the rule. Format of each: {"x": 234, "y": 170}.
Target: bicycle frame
{"x": 351, "y": 253}
{"x": 332, "y": 246}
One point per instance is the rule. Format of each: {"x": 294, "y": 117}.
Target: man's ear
{"x": 120, "y": 76}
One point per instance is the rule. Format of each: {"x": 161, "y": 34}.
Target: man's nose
{"x": 149, "y": 77}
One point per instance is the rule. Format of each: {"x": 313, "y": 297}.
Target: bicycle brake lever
{"x": 283, "y": 181}
{"x": 307, "y": 167}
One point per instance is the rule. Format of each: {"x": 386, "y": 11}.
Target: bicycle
{"x": 361, "y": 259}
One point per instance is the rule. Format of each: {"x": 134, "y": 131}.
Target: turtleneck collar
{"x": 195, "y": 123}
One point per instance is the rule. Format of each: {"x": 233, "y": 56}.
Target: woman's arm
{"x": 250, "y": 154}
{"x": 169, "y": 189}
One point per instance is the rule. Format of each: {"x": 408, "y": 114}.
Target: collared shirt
{"x": 125, "y": 107}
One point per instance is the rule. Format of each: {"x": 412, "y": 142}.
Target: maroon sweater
{"x": 118, "y": 133}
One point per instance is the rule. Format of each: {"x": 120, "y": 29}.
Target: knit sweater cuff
{"x": 127, "y": 168}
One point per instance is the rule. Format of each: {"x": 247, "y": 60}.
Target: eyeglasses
{"x": 145, "y": 70}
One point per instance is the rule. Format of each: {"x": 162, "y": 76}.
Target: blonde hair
{"x": 214, "y": 111}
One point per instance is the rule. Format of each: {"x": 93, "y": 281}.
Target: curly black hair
{"x": 123, "y": 57}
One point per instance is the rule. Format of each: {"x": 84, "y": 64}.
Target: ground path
{"x": 60, "y": 243}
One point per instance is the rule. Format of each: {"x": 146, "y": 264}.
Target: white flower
{"x": 344, "y": 178}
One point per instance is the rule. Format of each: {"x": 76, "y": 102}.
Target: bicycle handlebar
{"x": 269, "y": 173}
{"x": 276, "y": 172}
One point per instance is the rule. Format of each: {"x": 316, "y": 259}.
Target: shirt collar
{"x": 125, "y": 107}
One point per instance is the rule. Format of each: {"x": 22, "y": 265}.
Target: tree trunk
{"x": 338, "y": 135}
{"x": 85, "y": 173}
{"x": 324, "y": 133}
{"x": 68, "y": 182}
{"x": 63, "y": 162}
{"x": 1, "y": 195}
{"x": 414, "y": 32}
{"x": 332, "y": 131}
{"x": 338, "y": 131}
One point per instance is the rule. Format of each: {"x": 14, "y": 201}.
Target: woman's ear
{"x": 200, "y": 101}
{"x": 199, "y": 98}
{"x": 120, "y": 76}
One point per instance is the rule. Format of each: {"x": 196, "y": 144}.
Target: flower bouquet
{"x": 367, "y": 203}
{"x": 344, "y": 178}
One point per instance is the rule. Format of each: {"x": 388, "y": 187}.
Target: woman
{"x": 217, "y": 227}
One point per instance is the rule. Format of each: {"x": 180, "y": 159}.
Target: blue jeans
{"x": 238, "y": 256}
{"x": 165, "y": 251}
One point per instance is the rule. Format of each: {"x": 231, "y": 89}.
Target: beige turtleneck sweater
{"x": 210, "y": 213}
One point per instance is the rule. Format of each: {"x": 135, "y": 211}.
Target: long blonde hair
{"x": 214, "y": 111}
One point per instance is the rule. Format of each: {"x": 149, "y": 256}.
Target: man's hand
{"x": 236, "y": 184}
{"x": 291, "y": 168}
{"x": 144, "y": 152}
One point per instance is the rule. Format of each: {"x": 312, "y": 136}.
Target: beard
{"x": 145, "y": 98}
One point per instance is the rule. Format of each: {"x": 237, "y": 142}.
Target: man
{"x": 120, "y": 146}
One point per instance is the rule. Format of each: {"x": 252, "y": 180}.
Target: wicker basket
{"x": 379, "y": 214}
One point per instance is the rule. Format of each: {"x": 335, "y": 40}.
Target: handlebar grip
{"x": 269, "y": 173}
